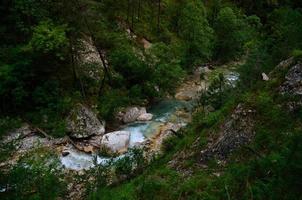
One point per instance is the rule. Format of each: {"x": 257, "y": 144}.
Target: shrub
{"x": 297, "y": 54}
{"x": 36, "y": 177}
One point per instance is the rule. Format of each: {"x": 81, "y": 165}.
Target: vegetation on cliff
{"x": 142, "y": 50}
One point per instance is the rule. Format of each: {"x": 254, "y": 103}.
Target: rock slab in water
{"x": 82, "y": 123}
{"x": 145, "y": 117}
{"x": 116, "y": 142}
{"x": 132, "y": 113}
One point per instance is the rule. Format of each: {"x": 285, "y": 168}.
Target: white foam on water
{"x": 232, "y": 78}
{"x": 77, "y": 160}
{"x": 137, "y": 131}
{"x": 140, "y": 132}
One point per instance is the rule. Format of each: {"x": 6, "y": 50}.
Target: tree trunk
{"x": 139, "y": 9}
{"x": 106, "y": 71}
{"x": 158, "y": 16}
{"x": 128, "y": 11}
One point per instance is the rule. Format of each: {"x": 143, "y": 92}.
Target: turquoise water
{"x": 162, "y": 113}
{"x": 140, "y": 132}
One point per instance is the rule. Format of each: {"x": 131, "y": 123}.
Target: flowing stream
{"x": 163, "y": 112}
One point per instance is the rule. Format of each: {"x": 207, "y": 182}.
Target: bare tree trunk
{"x": 73, "y": 63}
{"x": 128, "y": 11}
{"x": 74, "y": 71}
{"x": 139, "y": 9}
{"x": 158, "y": 16}
{"x": 132, "y": 16}
{"x": 106, "y": 71}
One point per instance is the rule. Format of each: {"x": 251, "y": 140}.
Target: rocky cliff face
{"x": 235, "y": 132}
{"x": 292, "y": 87}
{"x": 293, "y": 81}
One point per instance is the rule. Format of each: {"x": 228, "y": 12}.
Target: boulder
{"x": 169, "y": 128}
{"x": 132, "y": 113}
{"x": 65, "y": 153}
{"x": 83, "y": 123}
{"x": 116, "y": 142}
{"x": 90, "y": 63}
{"x": 145, "y": 117}
{"x": 265, "y": 77}
{"x": 164, "y": 132}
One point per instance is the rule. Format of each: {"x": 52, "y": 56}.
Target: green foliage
{"x": 123, "y": 166}
{"x": 32, "y": 178}
{"x": 131, "y": 164}
{"x": 48, "y": 38}
{"x": 7, "y": 124}
{"x": 132, "y": 68}
{"x": 232, "y": 33}
{"x": 258, "y": 61}
{"x": 167, "y": 70}
{"x": 14, "y": 66}
{"x": 51, "y": 109}
{"x": 110, "y": 102}
{"x": 297, "y": 54}
{"x": 150, "y": 188}
{"x": 146, "y": 76}
{"x": 194, "y": 29}
{"x": 38, "y": 53}
{"x": 286, "y": 25}
{"x": 169, "y": 144}
{"x": 218, "y": 92}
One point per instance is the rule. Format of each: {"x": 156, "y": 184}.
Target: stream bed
{"x": 165, "y": 111}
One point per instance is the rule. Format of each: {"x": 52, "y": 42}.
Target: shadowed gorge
{"x": 161, "y": 100}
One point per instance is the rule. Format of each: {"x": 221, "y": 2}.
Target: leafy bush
{"x": 48, "y": 38}
{"x": 151, "y": 188}
{"x": 297, "y": 54}
{"x": 169, "y": 144}
{"x": 35, "y": 177}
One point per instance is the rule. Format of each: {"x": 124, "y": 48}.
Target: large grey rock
{"x": 90, "y": 63}
{"x": 116, "y": 142}
{"x": 265, "y": 77}
{"x": 132, "y": 113}
{"x": 83, "y": 122}
{"x": 145, "y": 117}
{"x": 293, "y": 83}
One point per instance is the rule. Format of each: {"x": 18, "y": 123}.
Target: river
{"x": 166, "y": 111}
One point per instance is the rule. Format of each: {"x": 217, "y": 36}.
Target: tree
{"x": 217, "y": 92}
{"x": 286, "y": 26}
{"x": 49, "y": 38}
{"x": 230, "y": 38}
{"x": 194, "y": 29}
